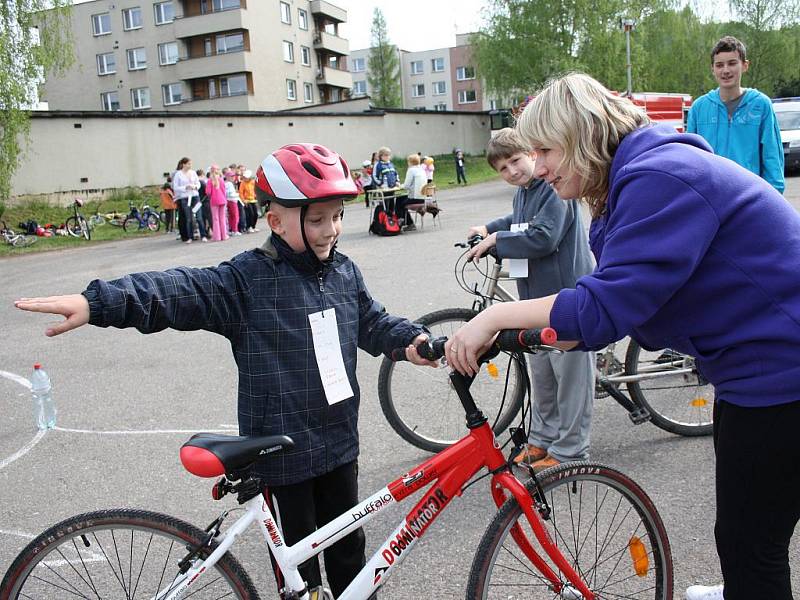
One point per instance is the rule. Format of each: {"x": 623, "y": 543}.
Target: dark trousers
{"x": 198, "y": 217}
{"x": 303, "y": 507}
{"x": 169, "y": 214}
{"x": 251, "y": 212}
{"x": 184, "y": 219}
{"x": 206, "y": 212}
{"x": 758, "y": 497}
{"x": 460, "y": 175}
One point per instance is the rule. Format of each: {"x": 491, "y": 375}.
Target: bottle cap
{"x": 37, "y": 366}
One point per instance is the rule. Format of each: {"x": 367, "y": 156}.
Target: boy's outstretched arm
{"x": 74, "y": 307}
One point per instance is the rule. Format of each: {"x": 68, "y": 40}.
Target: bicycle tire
{"x": 97, "y": 220}
{"x": 596, "y": 512}
{"x": 22, "y": 241}
{"x": 131, "y": 224}
{"x": 94, "y": 555}
{"x": 431, "y": 417}
{"x": 680, "y": 404}
{"x": 78, "y": 227}
{"x": 153, "y": 222}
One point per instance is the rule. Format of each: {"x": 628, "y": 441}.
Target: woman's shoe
{"x": 529, "y": 455}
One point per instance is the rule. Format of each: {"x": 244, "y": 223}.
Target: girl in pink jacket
{"x": 215, "y": 189}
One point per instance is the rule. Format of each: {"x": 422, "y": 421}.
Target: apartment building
{"x": 441, "y": 79}
{"x": 203, "y": 55}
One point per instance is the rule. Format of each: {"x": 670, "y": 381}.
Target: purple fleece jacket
{"x": 698, "y": 254}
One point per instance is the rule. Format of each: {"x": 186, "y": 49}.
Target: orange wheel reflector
{"x": 699, "y": 402}
{"x": 641, "y": 563}
{"x": 493, "y": 371}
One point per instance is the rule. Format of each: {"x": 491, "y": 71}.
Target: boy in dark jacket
{"x": 273, "y": 305}
{"x": 547, "y": 244}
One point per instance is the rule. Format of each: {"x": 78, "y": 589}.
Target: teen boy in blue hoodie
{"x": 693, "y": 253}
{"x": 738, "y": 122}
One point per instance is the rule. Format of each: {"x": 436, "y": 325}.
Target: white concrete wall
{"x": 117, "y": 150}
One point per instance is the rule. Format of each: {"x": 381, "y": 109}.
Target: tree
{"x": 384, "y": 66}
{"x": 34, "y": 40}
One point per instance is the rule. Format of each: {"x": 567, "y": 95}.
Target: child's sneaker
{"x": 529, "y": 455}
{"x": 704, "y": 592}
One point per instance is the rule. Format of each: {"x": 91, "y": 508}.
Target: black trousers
{"x": 303, "y": 507}
{"x": 461, "y": 175}
{"x": 185, "y": 219}
{"x": 758, "y": 497}
{"x": 169, "y": 213}
{"x": 251, "y": 213}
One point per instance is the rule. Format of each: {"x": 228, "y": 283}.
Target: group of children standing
{"x": 213, "y": 204}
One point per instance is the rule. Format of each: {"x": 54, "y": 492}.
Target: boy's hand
{"x": 413, "y": 356}
{"x": 477, "y": 230}
{"x": 74, "y": 307}
{"x": 483, "y": 247}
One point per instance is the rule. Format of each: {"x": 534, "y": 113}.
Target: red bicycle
{"x": 576, "y": 531}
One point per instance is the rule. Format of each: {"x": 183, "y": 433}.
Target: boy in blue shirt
{"x": 546, "y": 241}
{"x": 268, "y": 303}
{"x": 739, "y": 123}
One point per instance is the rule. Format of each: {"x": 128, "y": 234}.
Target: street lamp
{"x": 627, "y": 25}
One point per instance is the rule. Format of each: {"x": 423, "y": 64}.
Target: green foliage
{"x": 384, "y": 66}
{"x": 525, "y": 42}
{"x": 23, "y": 62}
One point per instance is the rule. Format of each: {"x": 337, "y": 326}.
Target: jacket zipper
{"x": 326, "y": 406}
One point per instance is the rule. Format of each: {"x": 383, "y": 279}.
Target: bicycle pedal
{"x": 320, "y": 593}
{"x": 639, "y": 416}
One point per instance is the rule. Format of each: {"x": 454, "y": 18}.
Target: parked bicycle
{"x": 578, "y": 530}
{"x": 663, "y": 386}
{"x": 77, "y": 225}
{"x": 18, "y": 240}
{"x": 137, "y": 220}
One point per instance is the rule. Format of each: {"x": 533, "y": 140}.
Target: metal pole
{"x": 628, "y": 51}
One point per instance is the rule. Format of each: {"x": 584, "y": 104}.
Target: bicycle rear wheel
{"x": 681, "y": 403}
{"x": 24, "y": 240}
{"x": 153, "y": 222}
{"x": 119, "y": 553}
{"x": 131, "y": 224}
{"x": 421, "y": 405}
{"x": 78, "y": 227}
{"x": 604, "y": 524}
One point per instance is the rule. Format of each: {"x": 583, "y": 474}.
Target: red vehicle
{"x": 665, "y": 108}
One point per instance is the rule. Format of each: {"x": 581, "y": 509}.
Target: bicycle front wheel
{"x": 602, "y": 522}
{"x": 24, "y": 240}
{"x": 131, "y": 224}
{"x": 153, "y": 222}
{"x": 424, "y": 409}
{"x": 78, "y": 227}
{"x": 119, "y": 553}
{"x": 678, "y": 397}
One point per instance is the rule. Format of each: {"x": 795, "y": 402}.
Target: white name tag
{"x": 329, "y": 356}
{"x": 518, "y": 267}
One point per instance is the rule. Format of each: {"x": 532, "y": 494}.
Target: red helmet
{"x": 301, "y": 174}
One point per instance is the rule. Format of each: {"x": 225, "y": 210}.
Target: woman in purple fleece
{"x": 693, "y": 253}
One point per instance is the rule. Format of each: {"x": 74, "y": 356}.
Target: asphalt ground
{"x": 126, "y": 402}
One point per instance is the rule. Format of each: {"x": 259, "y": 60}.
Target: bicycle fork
{"x": 505, "y": 484}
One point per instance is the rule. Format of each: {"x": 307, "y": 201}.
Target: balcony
{"x": 238, "y": 102}
{"x": 215, "y": 64}
{"x": 331, "y": 43}
{"x": 225, "y": 20}
{"x": 334, "y": 13}
{"x": 335, "y": 78}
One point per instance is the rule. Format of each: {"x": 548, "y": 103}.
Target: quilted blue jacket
{"x": 260, "y": 300}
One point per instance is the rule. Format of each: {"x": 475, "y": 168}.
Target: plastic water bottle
{"x": 44, "y": 409}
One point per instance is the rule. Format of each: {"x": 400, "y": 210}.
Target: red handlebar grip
{"x": 548, "y": 336}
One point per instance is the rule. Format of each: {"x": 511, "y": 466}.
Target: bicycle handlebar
{"x": 508, "y": 340}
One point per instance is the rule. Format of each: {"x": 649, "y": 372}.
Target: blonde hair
{"x": 384, "y": 151}
{"x": 504, "y": 144}
{"x": 577, "y": 114}
{"x": 413, "y": 159}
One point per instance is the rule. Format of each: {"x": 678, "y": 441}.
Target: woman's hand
{"x": 469, "y": 342}
{"x": 413, "y": 356}
{"x": 75, "y": 307}
{"x": 485, "y": 245}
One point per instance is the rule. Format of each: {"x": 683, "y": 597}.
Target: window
{"x": 106, "y": 64}
{"x": 359, "y": 65}
{"x": 291, "y": 89}
{"x": 441, "y": 106}
{"x": 335, "y": 95}
{"x": 286, "y": 13}
{"x": 467, "y": 96}
{"x": 308, "y": 92}
{"x": 288, "y": 51}
{"x": 131, "y": 18}
{"x": 207, "y": 46}
{"x": 439, "y": 88}
{"x": 137, "y": 59}
{"x": 165, "y": 12}
{"x": 359, "y": 88}
{"x": 416, "y": 67}
{"x": 231, "y": 42}
{"x": 233, "y": 85}
{"x": 463, "y": 73}
{"x": 225, "y": 5}
{"x": 109, "y": 101}
{"x": 101, "y": 24}
{"x": 140, "y": 98}
{"x": 171, "y": 93}
{"x": 302, "y": 19}
{"x": 168, "y": 53}
{"x": 437, "y": 65}
{"x": 417, "y": 90}
{"x": 305, "y": 55}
